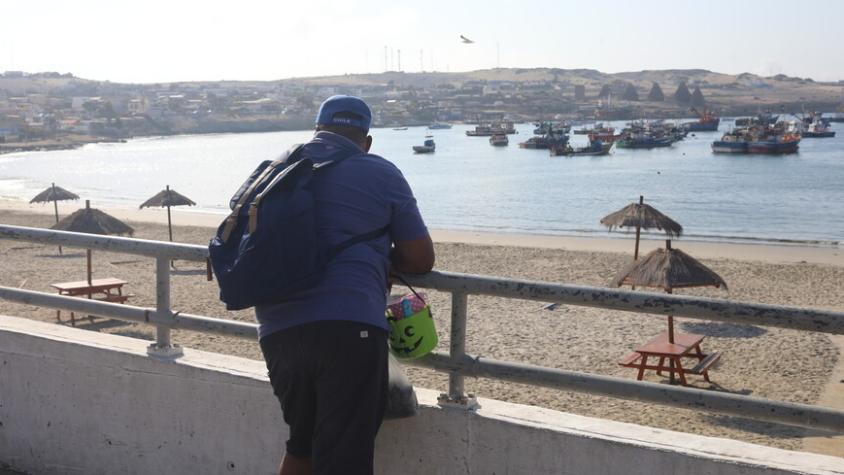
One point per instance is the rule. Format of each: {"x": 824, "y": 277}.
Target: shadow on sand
{"x": 723, "y": 330}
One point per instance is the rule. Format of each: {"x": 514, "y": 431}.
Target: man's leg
{"x": 351, "y": 389}
{"x": 290, "y": 369}
{"x": 292, "y": 465}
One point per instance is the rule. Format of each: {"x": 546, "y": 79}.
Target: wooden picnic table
{"x": 109, "y": 289}
{"x": 686, "y": 345}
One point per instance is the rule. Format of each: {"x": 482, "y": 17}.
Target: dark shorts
{"x": 331, "y": 380}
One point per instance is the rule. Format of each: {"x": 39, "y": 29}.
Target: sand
{"x": 766, "y": 362}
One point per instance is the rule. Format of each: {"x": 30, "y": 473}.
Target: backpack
{"x": 267, "y": 248}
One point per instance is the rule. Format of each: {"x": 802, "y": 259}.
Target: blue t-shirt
{"x": 358, "y": 195}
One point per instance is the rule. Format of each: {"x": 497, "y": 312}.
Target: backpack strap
{"x": 256, "y": 203}
{"x": 231, "y": 220}
{"x": 334, "y": 251}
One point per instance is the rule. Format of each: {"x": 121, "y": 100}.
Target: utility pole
{"x": 386, "y": 64}
{"x": 497, "y": 55}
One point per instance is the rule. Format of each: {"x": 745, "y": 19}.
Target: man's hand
{"x": 413, "y": 257}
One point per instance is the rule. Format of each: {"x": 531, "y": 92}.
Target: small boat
{"x": 399, "y": 128}
{"x": 645, "y": 142}
{"x": 593, "y": 149}
{"x": 488, "y": 130}
{"x": 707, "y": 122}
{"x": 761, "y": 119}
{"x": 546, "y": 128}
{"x": 818, "y": 129}
{"x": 605, "y": 135}
{"x": 439, "y": 126}
{"x": 545, "y": 142}
{"x": 499, "y": 140}
{"x": 730, "y": 142}
{"x": 589, "y": 130}
{"x": 427, "y": 147}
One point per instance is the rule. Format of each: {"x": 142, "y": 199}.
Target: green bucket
{"x": 413, "y": 336}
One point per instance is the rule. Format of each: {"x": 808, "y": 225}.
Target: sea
{"x": 470, "y": 185}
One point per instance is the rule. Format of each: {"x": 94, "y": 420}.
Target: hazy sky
{"x": 175, "y": 40}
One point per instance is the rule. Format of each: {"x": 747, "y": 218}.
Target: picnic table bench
{"x": 109, "y": 289}
{"x": 686, "y": 345}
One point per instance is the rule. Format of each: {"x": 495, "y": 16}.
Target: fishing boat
{"x": 590, "y": 130}
{"x": 775, "y": 145}
{"x": 593, "y": 149}
{"x": 637, "y": 141}
{"x": 761, "y": 119}
{"x": 439, "y": 125}
{"x": 546, "y": 128}
{"x": 545, "y": 141}
{"x": 817, "y": 128}
{"x": 427, "y": 147}
{"x": 605, "y": 135}
{"x": 707, "y": 122}
{"x": 731, "y": 142}
{"x": 499, "y": 140}
{"x": 399, "y": 128}
{"x": 488, "y": 130}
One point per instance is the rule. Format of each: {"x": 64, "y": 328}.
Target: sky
{"x": 184, "y": 40}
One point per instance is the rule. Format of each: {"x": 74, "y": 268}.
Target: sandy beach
{"x": 765, "y": 362}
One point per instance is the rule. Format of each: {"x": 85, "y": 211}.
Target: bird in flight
{"x": 466, "y": 40}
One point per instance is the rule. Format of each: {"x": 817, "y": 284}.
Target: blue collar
{"x": 337, "y": 140}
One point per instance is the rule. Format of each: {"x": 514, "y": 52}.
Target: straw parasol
{"x": 642, "y": 216}
{"x": 668, "y": 269}
{"x": 167, "y": 198}
{"x": 55, "y": 194}
{"x": 92, "y": 221}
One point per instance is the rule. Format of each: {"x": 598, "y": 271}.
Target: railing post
{"x": 162, "y": 346}
{"x": 457, "y": 350}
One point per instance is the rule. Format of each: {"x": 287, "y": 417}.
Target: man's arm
{"x": 413, "y": 257}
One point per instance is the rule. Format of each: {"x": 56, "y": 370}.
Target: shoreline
{"x": 620, "y": 244}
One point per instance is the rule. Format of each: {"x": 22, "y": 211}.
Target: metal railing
{"x": 457, "y": 363}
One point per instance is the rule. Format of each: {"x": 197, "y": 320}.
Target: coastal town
{"x": 44, "y": 111}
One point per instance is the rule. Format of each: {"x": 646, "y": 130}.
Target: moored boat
{"x": 439, "y": 125}
{"x": 488, "y": 130}
{"x": 775, "y": 145}
{"x": 645, "y": 142}
{"x": 730, "y": 143}
{"x": 499, "y": 140}
{"x": 427, "y": 147}
{"x": 818, "y": 129}
{"x": 544, "y": 142}
{"x": 593, "y": 149}
{"x": 707, "y": 122}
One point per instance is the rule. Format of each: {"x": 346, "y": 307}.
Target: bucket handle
{"x": 404, "y": 283}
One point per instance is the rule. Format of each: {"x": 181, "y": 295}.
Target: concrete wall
{"x": 74, "y": 402}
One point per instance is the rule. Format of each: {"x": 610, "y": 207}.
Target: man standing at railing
{"x": 326, "y": 347}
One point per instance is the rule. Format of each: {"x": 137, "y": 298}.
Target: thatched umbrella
{"x": 92, "y": 221}
{"x": 55, "y": 194}
{"x": 668, "y": 269}
{"x": 167, "y": 198}
{"x": 642, "y": 216}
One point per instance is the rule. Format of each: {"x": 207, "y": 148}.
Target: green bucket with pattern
{"x": 413, "y": 336}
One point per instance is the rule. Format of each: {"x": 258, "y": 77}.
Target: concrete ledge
{"x": 74, "y": 401}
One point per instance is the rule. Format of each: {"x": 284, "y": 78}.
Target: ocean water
{"x": 469, "y": 185}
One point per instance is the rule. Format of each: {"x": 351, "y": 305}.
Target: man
{"x": 326, "y": 347}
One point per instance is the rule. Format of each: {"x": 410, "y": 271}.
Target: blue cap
{"x": 344, "y": 110}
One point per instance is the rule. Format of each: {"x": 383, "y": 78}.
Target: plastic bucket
{"x": 413, "y": 336}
